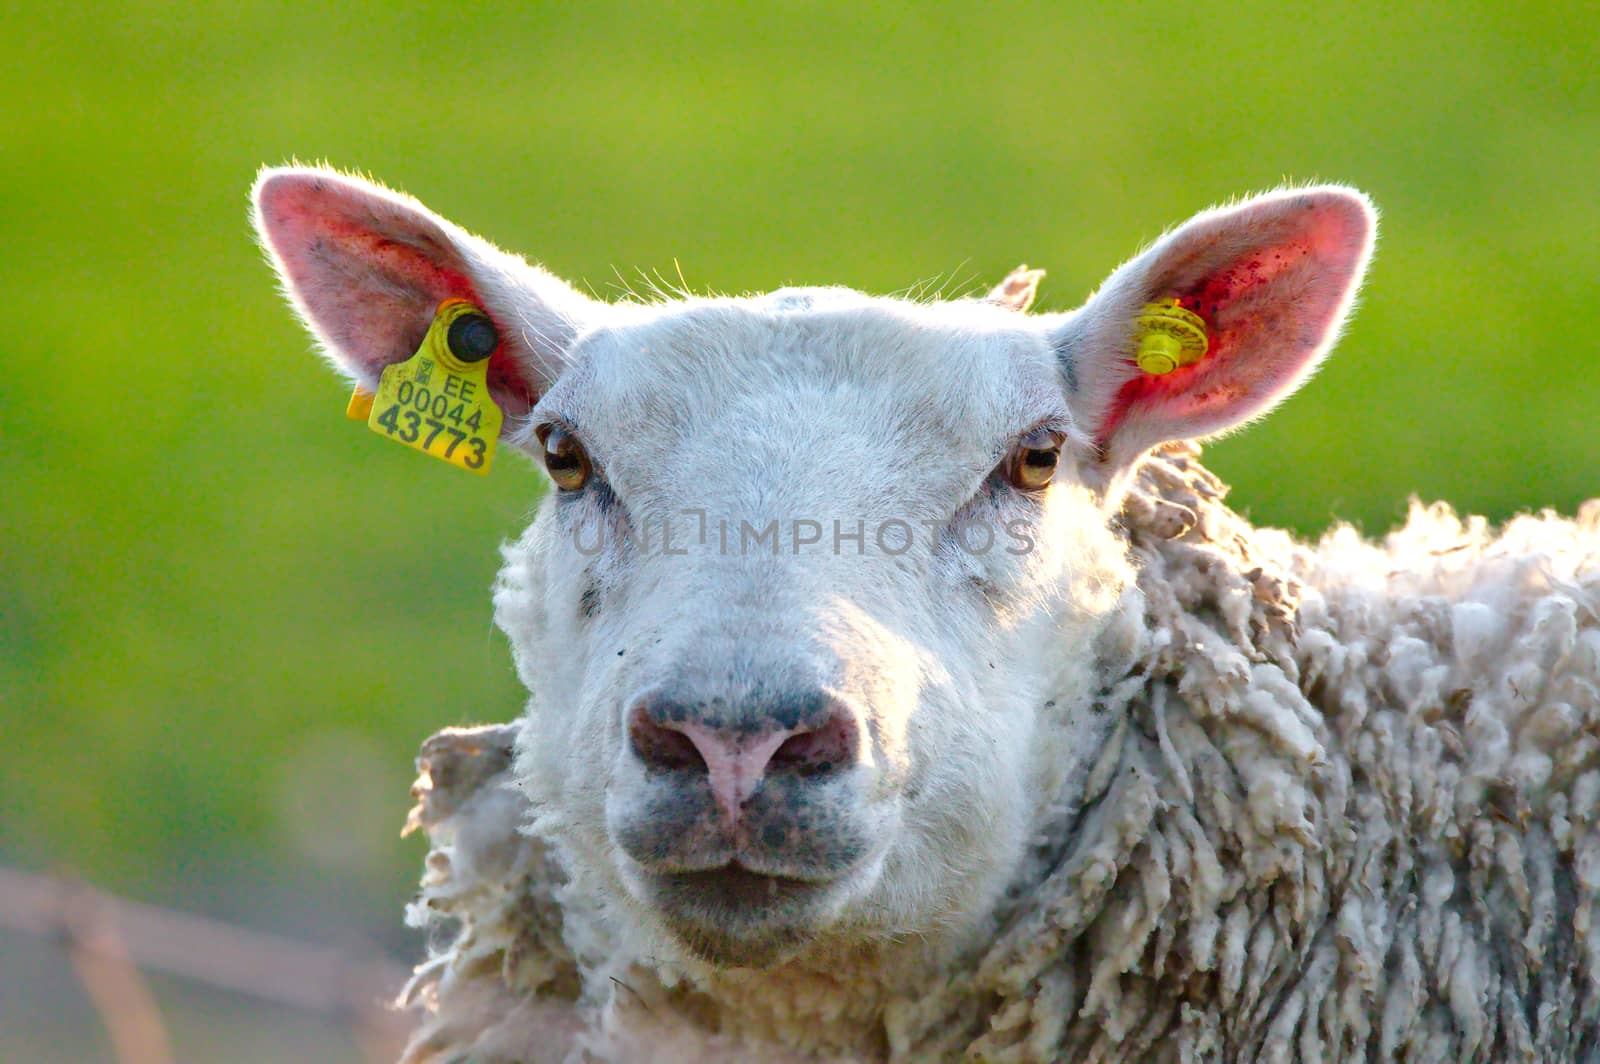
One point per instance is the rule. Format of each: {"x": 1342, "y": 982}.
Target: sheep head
{"x": 810, "y": 617}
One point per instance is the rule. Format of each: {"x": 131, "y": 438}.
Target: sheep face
{"x": 810, "y": 615}
{"x": 789, "y": 636}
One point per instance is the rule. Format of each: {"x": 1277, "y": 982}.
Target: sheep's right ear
{"x": 366, "y": 268}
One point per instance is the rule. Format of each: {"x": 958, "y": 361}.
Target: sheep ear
{"x": 366, "y": 268}
{"x": 1018, "y": 291}
{"x": 1272, "y": 279}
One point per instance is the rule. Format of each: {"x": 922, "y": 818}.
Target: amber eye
{"x": 1032, "y": 463}
{"x": 564, "y": 457}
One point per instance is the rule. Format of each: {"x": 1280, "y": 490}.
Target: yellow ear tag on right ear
{"x": 437, "y": 401}
{"x": 1169, "y": 336}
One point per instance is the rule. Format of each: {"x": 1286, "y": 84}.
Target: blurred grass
{"x": 205, "y": 571}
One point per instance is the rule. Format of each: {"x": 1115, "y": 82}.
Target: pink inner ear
{"x": 1268, "y": 310}
{"x": 370, "y": 273}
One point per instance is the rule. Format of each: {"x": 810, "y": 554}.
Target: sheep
{"x": 1137, "y": 781}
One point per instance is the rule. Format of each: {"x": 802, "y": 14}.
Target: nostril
{"x": 830, "y": 748}
{"x": 661, "y": 747}
{"x": 813, "y": 737}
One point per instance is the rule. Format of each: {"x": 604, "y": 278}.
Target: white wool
{"x": 1351, "y": 810}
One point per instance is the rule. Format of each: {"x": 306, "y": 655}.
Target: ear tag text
{"x": 437, "y": 401}
{"x": 1169, "y": 336}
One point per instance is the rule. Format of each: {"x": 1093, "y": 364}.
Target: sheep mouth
{"x": 735, "y": 885}
{"x": 735, "y": 917}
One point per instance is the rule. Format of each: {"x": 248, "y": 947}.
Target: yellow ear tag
{"x": 437, "y": 401}
{"x": 359, "y": 408}
{"x": 1169, "y": 336}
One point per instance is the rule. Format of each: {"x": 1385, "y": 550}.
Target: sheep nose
{"x": 812, "y": 737}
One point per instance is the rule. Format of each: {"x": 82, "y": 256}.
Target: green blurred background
{"x": 227, "y": 615}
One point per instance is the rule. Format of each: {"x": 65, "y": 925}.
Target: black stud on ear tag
{"x": 472, "y": 337}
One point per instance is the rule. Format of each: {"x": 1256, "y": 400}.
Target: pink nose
{"x": 813, "y": 742}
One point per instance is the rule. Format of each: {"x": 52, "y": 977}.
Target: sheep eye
{"x": 1033, "y": 461}
{"x": 564, "y": 457}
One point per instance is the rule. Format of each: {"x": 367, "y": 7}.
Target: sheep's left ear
{"x": 1272, "y": 279}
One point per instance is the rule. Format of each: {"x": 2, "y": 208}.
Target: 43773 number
{"x": 421, "y": 415}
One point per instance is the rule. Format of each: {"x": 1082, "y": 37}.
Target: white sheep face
{"x": 903, "y": 586}
{"x": 809, "y": 621}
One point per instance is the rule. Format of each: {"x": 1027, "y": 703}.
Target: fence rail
{"x": 109, "y": 940}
